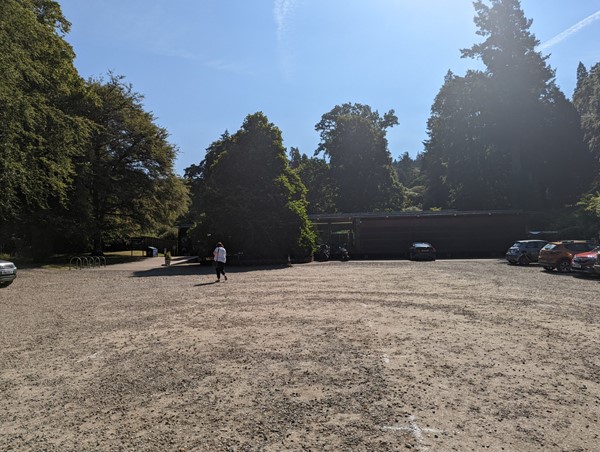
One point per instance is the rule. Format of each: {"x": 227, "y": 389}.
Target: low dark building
{"x": 452, "y": 233}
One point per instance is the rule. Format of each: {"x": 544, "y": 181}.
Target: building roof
{"x": 408, "y": 214}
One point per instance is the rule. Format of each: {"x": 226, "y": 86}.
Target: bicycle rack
{"x": 80, "y": 262}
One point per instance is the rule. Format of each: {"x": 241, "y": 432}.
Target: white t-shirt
{"x": 220, "y": 254}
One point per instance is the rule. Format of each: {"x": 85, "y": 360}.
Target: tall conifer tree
{"x": 522, "y": 136}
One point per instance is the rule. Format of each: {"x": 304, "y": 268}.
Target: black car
{"x": 8, "y": 273}
{"x": 523, "y": 252}
{"x": 422, "y": 251}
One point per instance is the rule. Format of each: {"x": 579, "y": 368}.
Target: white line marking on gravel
{"x": 414, "y": 429}
{"x": 92, "y": 356}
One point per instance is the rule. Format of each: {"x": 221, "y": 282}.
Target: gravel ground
{"x": 361, "y": 356}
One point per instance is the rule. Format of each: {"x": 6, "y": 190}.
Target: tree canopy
{"x": 507, "y": 136}
{"x": 82, "y": 162}
{"x": 78, "y": 160}
{"x": 353, "y": 137}
{"x": 39, "y": 133}
{"x": 314, "y": 173}
{"x": 127, "y": 170}
{"x": 252, "y": 200}
{"x": 586, "y": 99}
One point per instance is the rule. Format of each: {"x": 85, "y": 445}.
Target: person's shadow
{"x": 206, "y": 283}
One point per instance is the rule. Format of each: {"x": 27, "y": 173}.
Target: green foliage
{"x": 587, "y": 101}
{"x": 253, "y": 201}
{"x": 354, "y": 138}
{"x": 506, "y": 137}
{"x": 39, "y": 134}
{"x": 315, "y": 175}
{"x": 125, "y": 181}
{"x": 410, "y": 176}
{"x": 464, "y": 170}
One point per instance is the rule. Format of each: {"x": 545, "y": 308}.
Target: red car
{"x": 584, "y": 262}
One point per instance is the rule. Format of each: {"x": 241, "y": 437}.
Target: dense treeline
{"x": 505, "y": 137}
{"x": 82, "y": 164}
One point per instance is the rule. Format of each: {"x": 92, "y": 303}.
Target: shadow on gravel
{"x": 207, "y": 283}
{"x": 201, "y": 270}
{"x": 557, "y": 274}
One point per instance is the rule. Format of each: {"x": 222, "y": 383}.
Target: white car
{"x": 8, "y": 273}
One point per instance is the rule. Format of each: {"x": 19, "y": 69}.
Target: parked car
{"x": 523, "y": 252}
{"x": 596, "y": 267}
{"x": 421, "y": 251}
{"x": 8, "y": 273}
{"x": 559, "y": 254}
{"x": 584, "y": 262}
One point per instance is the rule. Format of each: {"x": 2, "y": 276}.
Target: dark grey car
{"x": 524, "y": 252}
{"x": 8, "y": 273}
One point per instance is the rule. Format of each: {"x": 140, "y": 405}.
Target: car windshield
{"x": 516, "y": 244}
{"x": 421, "y": 245}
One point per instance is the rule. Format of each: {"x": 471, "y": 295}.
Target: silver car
{"x": 8, "y": 273}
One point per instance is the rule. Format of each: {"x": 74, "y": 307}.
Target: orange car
{"x": 559, "y": 254}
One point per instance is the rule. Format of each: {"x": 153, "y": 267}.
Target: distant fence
{"x": 81, "y": 262}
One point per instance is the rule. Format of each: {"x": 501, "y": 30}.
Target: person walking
{"x": 220, "y": 256}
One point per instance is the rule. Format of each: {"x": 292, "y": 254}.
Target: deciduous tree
{"x": 39, "y": 134}
{"x": 125, "y": 184}
{"x": 315, "y": 175}
{"x": 353, "y": 137}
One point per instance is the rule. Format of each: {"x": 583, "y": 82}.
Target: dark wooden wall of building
{"x": 453, "y": 235}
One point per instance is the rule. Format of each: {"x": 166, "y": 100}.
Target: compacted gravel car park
{"x": 360, "y": 355}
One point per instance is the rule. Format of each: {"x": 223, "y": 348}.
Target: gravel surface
{"x": 353, "y": 356}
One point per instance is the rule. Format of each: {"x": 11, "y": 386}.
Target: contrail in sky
{"x": 570, "y": 31}
{"x": 282, "y": 11}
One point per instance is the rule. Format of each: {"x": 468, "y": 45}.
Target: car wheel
{"x": 563, "y": 266}
{"x": 523, "y": 260}
{"x": 547, "y": 268}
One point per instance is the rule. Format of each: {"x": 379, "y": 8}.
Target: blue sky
{"x": 203, "y": 65}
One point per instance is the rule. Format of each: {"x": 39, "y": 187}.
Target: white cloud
{"x": 570, "y": 31}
